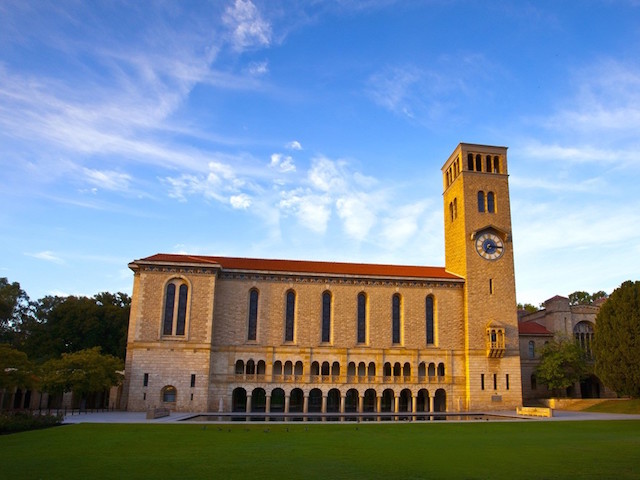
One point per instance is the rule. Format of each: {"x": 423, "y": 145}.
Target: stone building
{"x": 558, "y": 318}
{"x": 236, "y": 334}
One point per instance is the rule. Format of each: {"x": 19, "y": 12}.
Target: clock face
{"x": 489, "y": 246}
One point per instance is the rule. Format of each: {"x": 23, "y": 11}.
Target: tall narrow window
{"x": 253, "y": 315}
{"x": 496, "y": 165}
{"x": 481, "y": 201}
{"x": 362, "y": 318}
{"x": 489, "y": 169}
{"x": 429, "y": 320}
{"x": 182, "y": 310}
{"x": 491, "y": 286}
{"x": 395, "y": 314}
{"x": 478, "y": 163}
{"x": 326, "y": 317}
{"x": 145, "y": 380}
{"x": 532, "y": 349}
{"x": 175, "y": 309}
{"x": 506, "y": 379}
{"x": 482, "y": 381}
{"x": 491, "y": 204}
{"x": 169, "y": 301}
{"x": 470, "y": 162}
{"x": 290, "y": 313}
{"x": 193, "y": 380}
{"x": 495, "y": 381}
{"x": 451, "y": 210}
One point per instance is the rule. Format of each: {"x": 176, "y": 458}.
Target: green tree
{"x": 83, "y": 372}
{"x": 70, "y": 324}
{"x": 15, "y": 308}
{"x": 562, "y": 364}
{"x": 616, "y": 344}
{"x": 580, "y": 298}
{"x": 16, "y": 371}
{"x": 528, "y": 307}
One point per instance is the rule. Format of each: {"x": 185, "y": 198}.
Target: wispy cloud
{"x": 246, "y": 25}
{"x": 46, "y": 255}
{"x": 294, "y": 145}
{"x": 282, "y": 163}
{"x": 108, "y": 179}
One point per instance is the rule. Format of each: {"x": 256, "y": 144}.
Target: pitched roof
{"x": 532, "y": 328}
{"x": 304, "y": 266}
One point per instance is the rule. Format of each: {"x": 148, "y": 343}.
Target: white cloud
{"x": 294, "y": 145}
{"x": 403, "y": 225}
{"x": 107, "y": 179}
{"x": 46, "y": 255}
{"x": 312, "y": 211}
{"x": 357, "y": 214}
{"x": 257, "y": 69}
{"x": 325, "y": 175}
{"x": 282, "y": 163}
{"x": 220, "y": 180}
{"x": 248, "y": 28}
{"x": 240, "y": 202}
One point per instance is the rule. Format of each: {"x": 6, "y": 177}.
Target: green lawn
{"x": 531, "y": 449}
{"x": 616, "y": 406}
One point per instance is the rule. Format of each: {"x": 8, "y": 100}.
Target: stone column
{"x": 343, "y": 401}
{"x": 414, "y": 403}
{"x": 287, "y": 399}
{"x": 305, "y": 403}
{"x": 360, "y": 403}
{"x": 267, "y": 407}
{"x": 378, "y": 403}
{"x": 248, "y": 407}
{"x": 396, "y": 403}
{"x": 324, "y": 404}
{"x": 431, "y": 403}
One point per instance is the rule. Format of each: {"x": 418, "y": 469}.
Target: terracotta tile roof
{"x": 303, "y": 266}
{"x": 532, "y": 328}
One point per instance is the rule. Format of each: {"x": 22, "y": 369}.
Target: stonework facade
{"x": 223, "y": 334}
{"x": 558, "y": 318}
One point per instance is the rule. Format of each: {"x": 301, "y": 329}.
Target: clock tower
{"x": 479, "y": 248}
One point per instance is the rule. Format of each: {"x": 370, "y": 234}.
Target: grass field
{"x": 616, "y": 406}
{"x": 513, "y": 450}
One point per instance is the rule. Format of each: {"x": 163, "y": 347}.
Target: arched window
{"x": 253, "y": 315}
{"x": 583, "y": 333}
{"x": 491, "y": 204}
{"x": 496, "y": 165}
{"x": 489, "y": 169}
{"x": 325, "y": 368}
{"x": 175, "y": 308}
{"x": 251, "y": 367}
{"x": 451, "y": 211}
{"x": 470, "y": 162}
{"x": 532, "y": 349}
{"x": 326, "y": 317}
{"x": 481, "y": 201}
{"x": 395, "y": 318}
{"x": 290, "y": 316}
{"x": 169, "y": 394}
{"x": 478, "y": 163}
{"x": 429, "y": 320}
{"x": 441, "y": 369}
{"x": 362, "y": 318}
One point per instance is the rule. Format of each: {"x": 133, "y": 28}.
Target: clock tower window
{"x": 481, "y": 201}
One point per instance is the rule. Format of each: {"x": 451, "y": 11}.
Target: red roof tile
{"x": 303, "y": 266}
{"x": 532, "y": 328}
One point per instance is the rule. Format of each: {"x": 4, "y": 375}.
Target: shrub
{"x": 21, "y": 421}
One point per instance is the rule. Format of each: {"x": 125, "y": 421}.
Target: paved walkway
{"x": 140, "y": 417}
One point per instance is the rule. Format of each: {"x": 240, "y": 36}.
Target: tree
{"x": 83, "y": 372}
{"x": 562, "y": 364}
{"x": 616, "y": 343}
{"x": 70, "y": 324}
{"x": 15, "y": 307}
{"x": 528, "y": 307}
{"x": 579, "y": 298}
{"x": 16, "y": 371}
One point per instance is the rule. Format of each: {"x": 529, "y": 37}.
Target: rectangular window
{"x": 326, "y": 317}
{"x": 395, "y": 313}
{"x": 289, "y": 319}
{"x": 253, "y": 315}
{"x": 362, "y": 318}
{"x": 193, "y": 380}
{"x": 429, "y": 325}
{"x": 491, "y": 286}
{"x": 482, "y": 381}
{"x": 507, "y": 381}
{"x": 144, "y": 396}
{"x": 145, "y": 380}
{"x": 495, "y": 381}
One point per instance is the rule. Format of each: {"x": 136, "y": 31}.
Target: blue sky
{"x": 313, "y": 130}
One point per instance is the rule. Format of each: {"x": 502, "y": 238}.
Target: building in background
{"x": 254, "y": 335}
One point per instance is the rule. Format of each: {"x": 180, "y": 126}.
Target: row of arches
{"x": 334, "y": 401}
{"x": 491, "y": 164}
{"x": 361, "y": 370}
